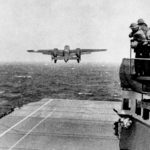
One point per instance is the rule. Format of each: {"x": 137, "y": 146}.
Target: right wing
{"x": 87, "y": 51}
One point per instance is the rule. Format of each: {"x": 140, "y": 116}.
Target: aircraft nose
{"x": 65, "y": 59}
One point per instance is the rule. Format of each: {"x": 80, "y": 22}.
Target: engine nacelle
{"x": 55, "y": 52}
{"x": 78, "y": 52}
{"x": 54, "y": 55}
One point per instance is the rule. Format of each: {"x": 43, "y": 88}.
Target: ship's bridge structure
{"x": 130, "y": 79}
{"x": 135, "y": 83}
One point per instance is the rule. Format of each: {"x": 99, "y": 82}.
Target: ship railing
{"x": 140, "y": 67}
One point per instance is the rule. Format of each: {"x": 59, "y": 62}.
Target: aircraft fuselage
{"x": 66, "y": 53}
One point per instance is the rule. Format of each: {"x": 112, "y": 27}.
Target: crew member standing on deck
{"x": 143, "y": 26}
{"x": 138, "y": 43}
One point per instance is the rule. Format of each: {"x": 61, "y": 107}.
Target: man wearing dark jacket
{"x": 142, "y": 25}
{"x": 139, "y": 44}
{"x": 138, "y": 36}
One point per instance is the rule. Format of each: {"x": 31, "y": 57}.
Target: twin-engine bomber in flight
{"x": 66, "y": 54}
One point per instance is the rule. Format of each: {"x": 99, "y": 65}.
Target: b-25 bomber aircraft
{"x": 66, "y": 54}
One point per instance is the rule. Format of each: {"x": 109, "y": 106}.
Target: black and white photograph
{"x": 74, "y": 75}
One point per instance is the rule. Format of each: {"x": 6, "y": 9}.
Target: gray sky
{"x": 43, "y": 24}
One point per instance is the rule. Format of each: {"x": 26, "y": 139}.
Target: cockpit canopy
{"x": 67, "y": 48}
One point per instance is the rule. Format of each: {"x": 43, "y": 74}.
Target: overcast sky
{"x": 43, "y": 24}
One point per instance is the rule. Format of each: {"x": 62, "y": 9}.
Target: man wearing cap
{"x": 142, "y": 25}
{"x": 146, "y": 53}
{"x": 138, "y": 36}
{"x": 138, "y": 43}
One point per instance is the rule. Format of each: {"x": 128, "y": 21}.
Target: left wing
{"x": 44, "y": 51}
{"x": 47, "y": 51}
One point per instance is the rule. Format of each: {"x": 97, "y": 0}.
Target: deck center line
{"x": 25, "y": 118}
{"x": 32, "y": 129}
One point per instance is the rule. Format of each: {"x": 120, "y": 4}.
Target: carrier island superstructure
{"x": 134, "y": 124}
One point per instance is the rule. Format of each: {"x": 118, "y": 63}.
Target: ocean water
{"x": 24, "y": 83}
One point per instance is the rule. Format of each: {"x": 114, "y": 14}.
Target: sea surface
{"x": 21, "y": 83}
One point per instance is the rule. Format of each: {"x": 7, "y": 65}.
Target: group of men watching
{"x": 140, "y": 42}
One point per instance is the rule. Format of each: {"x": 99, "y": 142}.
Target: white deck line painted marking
{"x": 25, "y": 118}
{"x": 31, "y": 130}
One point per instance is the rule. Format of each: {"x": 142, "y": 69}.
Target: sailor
{"x": 138, "y": 43}
{"x": 146, "y": 52}
{"x": 142, "y": 25}
{"x": 148, "y": 35}
{"x": 147, "y": 55}
{"x": 138, "y": 37}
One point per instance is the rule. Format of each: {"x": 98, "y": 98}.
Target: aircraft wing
{"x": 46, "y": 51}
{"x": 88, "y": 51}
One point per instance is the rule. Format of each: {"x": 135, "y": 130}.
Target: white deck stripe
{"x": 31, "y": 130}
{"x": 25, "y": 118}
